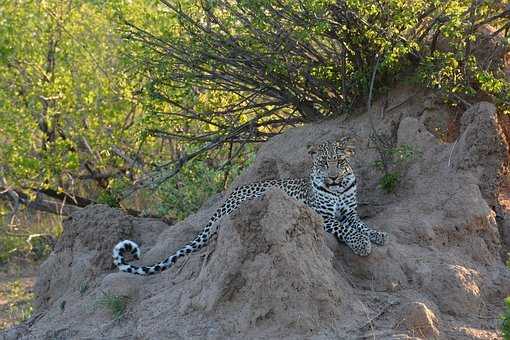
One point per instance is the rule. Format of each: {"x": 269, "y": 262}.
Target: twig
{"x": 89, "y": 149}
{"x": 379, "y": 314}
{"x": 372, "y": 80}
{"x": 13, "y": 196}
{"x": 369, "y": 322}
{"x": 393, "y": 107}
{"x": 62, "y": 206}
{"x": 453, "y": 147}
{"x": 132, "y": 163}
{"x": 451, "y": 152}
{"x": 467, "y": 104}
{"x": 379, "y": 145}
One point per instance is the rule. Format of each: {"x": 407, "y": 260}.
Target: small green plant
{"x": 505, "y": 326}
{"x": 115, "y": 304}
{"x": 389, "y": 181}
{"x": 392, "y": 163}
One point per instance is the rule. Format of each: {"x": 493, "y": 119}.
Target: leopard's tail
{"x": 210, "y": 229}
{"x": 128, "y": 246}
{"x": 131, "y": 247}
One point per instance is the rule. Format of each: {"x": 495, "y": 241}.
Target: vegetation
{"x": 505, "y": 327}
{"x": 15, "y": 302}
{"x": 31, "y": 237}
{"x": 114, "y": 96}
{"x": 392, "y": 163}
{"x": 115, "y": 304}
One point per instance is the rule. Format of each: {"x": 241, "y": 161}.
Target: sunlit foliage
{"x": 505, "y": 326}
{"x": 99, "y": 98}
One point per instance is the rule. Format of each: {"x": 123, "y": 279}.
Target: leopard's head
{"x": 330, "y": 163}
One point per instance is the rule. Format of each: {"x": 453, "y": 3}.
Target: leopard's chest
{"x": 324, "y": 204}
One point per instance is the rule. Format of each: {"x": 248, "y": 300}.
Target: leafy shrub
{"x": 389, "y": 181}
{"x": 392, "y": 164}
{"x": 31, "y": 237}
{"x": 41, "y": 245}
{"x": 188, "y": 190}
{"x": 112, "y": 195}
{"x": 185, "y": 193}
{"x": 109, "y": 198}
{"x": 505, "y": 327}
{"x": 10, "y": 245}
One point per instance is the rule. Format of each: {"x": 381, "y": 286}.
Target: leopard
{"x": 330, "y": 190}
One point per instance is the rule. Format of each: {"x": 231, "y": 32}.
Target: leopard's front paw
{"x": 359, "y": 243}
{"x": 377, "y": 237}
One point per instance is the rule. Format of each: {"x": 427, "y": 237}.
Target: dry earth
{"x": 272, "y": 273}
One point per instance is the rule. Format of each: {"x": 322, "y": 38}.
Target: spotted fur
{"x": 330, "y": 190}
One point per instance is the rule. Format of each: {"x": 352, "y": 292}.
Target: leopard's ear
{"x": 349, "y": 150}
{"x": 343, "y": 141}
{"x": 344, "y": 146}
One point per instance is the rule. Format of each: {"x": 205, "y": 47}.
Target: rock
{"x": 13, "y": 333}
{"x": 419, "y": 320}
{"x": 482, "y": 149}
{"x": 456, "y": 289}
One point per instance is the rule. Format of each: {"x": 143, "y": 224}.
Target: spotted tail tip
{"x": 121, "y": 248}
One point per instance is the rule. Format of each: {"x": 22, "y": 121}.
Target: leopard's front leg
{"x": 351, "y": 218}
{"x": 356, "y": 240}
{"x": 375, "y": 236}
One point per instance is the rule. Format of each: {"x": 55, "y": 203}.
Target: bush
{"x": 190, "y": 188}
{"x": 392, "y": 163}
{"x": 31, "y": 237}
{"x": 505, "y": 327}
{"x": 389, "y": 181}
{"x": 41, "y": 245}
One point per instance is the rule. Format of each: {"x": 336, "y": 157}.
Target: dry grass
{"x": 16, "y": 298}
{"x": 18, "y": 263}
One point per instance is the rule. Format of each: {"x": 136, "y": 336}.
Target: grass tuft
{"x": 115, "y": 304}
{"x": 389, "y": 181}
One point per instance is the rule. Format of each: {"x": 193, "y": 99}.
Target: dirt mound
{"x": 272, "y": 273}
